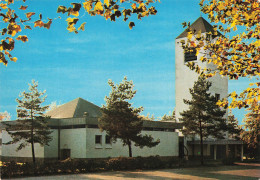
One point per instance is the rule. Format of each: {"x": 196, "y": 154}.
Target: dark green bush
{"x": 13, "y": 169}
{"x": 228, "y": 161}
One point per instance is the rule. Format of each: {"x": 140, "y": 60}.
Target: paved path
{"x": 241, "y": 171}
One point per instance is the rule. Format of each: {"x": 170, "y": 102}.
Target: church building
{"x": 76, "y": 135}
{"x": 185, "y": 79}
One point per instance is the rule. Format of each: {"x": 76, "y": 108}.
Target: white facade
{"x": 81, "y": 144}
{"x": 11, "y": 150}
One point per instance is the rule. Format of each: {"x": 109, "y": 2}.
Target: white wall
{"x": 51, "y": 151}
{"x": 10, "y": 150}
{"x": 168, "y": 145}
{"x": 74, "y": 139}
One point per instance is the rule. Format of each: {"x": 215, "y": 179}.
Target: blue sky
{"x": 69, "y": 65}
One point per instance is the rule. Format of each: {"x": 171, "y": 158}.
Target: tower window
{"x": 217, "y": 96}
{"x": 190, "y": 55}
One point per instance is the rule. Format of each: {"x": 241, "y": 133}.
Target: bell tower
{"x": 185, "y": 78}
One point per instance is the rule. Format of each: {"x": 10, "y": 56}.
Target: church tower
{"x": 185, "y": 78}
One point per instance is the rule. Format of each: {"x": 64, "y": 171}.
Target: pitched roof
{"x": 75, "y": 109}
{"x": 200, "y": 24}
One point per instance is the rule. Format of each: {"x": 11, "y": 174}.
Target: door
{"x": 65, "y": 154}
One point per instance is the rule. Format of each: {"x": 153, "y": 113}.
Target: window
{"x": 108, "y": 139}
{"x": 217, "y": 96}
{"x": 98, "y": 139}
{"x": 190, "y": 55}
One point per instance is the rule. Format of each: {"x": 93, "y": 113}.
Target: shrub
{"x": 12, "y": 169}
{"x": 228, "y": 161}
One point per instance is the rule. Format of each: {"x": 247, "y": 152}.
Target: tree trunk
{"x": 32, "y": 140}
{"x": 129, "y": 147}
{"x": 201, "y": 145}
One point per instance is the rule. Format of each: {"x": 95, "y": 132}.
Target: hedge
{"x": 13, "y": 169}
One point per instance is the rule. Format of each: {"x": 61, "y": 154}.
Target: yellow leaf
{"x": 87, "y": 6}
{"x": 74, "y": 13}
{"x": 189, "y": 35}
{"x": 221, "y": 6}
{"x": 71, "y": 28}
{"x": 15, "y": 29}
{"x": 98, "y": 6}
{"x": 82, "y": 27}
{"x": 3, "y": 6}
{"x": 14, "y": 59}
{"x": 106, "y": 2}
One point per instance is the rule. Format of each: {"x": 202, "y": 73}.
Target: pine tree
{"x": 204, "y": 117}
{"x": 234, "y": 129}
{"x": 31, "y": 125}
{"x": 122, "y": 121}
{"x": 170, "y": 117}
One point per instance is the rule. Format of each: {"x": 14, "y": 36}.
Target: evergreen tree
{"x": 204, "y": 117}
{"x": 31, "y": 125}
{"x": 234, "y": 129}
{"x": 251, "y": 133}
{"x": 122, "y": 121}
{"x": 170, "y": 117}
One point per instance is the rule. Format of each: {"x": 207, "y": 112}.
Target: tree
{"x": 235, "y": 53}
{"x": 14, "y": 21}
{"x": 147, "y": 117}
{"x": 251, "y": 133}
{"x": 204, "y": 117}
{"x": 122, "y": 121}
{"x": 233, "y": 128}
{"x": 5, "y": 116}
{"x": 170, "y": 117}
{"x": 31, "y": 126}
{"x": 52, "y": 106}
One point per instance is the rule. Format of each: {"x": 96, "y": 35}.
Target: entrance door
{"x": 211, "y": 151}
{"x": 221, "y": 151}
{"x": 181, "y": 147}
{"x": 65, "y": 154}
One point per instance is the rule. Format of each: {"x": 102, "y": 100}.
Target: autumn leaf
{"x": 61, "y": 9}
{"x": 38, "y": 23}
{"x": 87, "y": 5}
{"x": 14, "y": 59}
{"x": 98, "y": 6}
{"x": 72, "y": 20}
{"x": 48, "y": 24}
{"x": 106, "y": 2}
{"x": 29, "y": 14}
{"x": 3, "y": 6}
{"x": 22, "y": 38}
{"x": 82, "y": 27}
{"x": 23, "y": 7}
{"x": 131, "y": 25}
{"x": 71, "y": 28}
{"x": 28, "y": 27}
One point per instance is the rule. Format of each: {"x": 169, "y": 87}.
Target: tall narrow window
{"x": 98, "y": 139}
{"x": 217, "y": 96}
{"x": 108, "y": 139}
{"x": 190, "y": 55}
